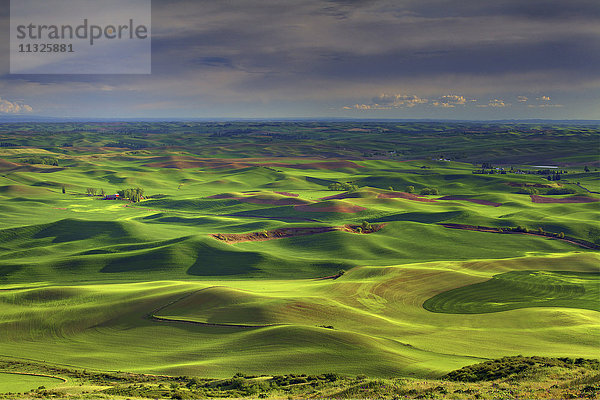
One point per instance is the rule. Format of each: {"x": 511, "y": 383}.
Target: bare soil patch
{"x": 288, "y": 194}
{"x": 7, "y": 165}
{"x": 573, "y": 199}
{"x": 476, "y": 201}
{"x": 290, "y": 232}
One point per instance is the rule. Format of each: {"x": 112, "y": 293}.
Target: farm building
{"x": 112, "y": 197}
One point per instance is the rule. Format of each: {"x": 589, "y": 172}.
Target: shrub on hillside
{"x": 561, "y": 191}
{"x": 343, "y": 187}
{"x": 428, "y": 191}
{"x": 507, "y": 366}
{"x": 41, "y": 160}
{"x": 528, "y": 190}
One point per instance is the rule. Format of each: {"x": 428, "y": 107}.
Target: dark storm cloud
{"x": 533, "y": 9}
{"x": 567, "y": 54}
{"x": 331, "y": 50}
{"x": 370, "y": 43}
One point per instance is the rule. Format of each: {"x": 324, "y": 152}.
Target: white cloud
{"x": 522, "y": 99}
{"x": 11, "y": 107}
{"x": 450, "y": 101}
{"x": 388, "y": 102}
{"x": 544, "y": 102}
{"x": 399, "y": 100}
{"x": 497, "y": 103}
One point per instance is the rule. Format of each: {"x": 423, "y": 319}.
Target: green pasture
{"x": 19, "y": 383}
{"x": 521, "y": 289}
{"x": 370, "y": 320}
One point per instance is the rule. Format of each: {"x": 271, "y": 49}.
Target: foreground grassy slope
{"x": 371, "y": 313}
{"x": 508, "y": 377}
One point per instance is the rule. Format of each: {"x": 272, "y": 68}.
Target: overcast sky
{"x": 454, "y": 59}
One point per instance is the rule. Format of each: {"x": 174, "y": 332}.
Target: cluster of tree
{"x": 587, "y": 169}
{"x": 544, "y": 172}
{"x": 528, "y": 190}
{"x": 428, "y": 191}
{"x": 365, "y": 227}
{"x": 40, "y": 160}
{"x": 343, "y": 187}
{"x": 539, "y": 231}
{"x": 128, "y": 145}
{"x": 554, "y": 191}
{"x": 488, "y": 168}
{"x": 490, "y": 172}
{"x": 93, "y": 191}
{"x": 132, "y": 194}
{"x": 555, "y": 176}
{"x": 424, "y": 191}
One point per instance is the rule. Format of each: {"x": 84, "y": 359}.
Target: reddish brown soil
{"x": 288, "y": 194}
{"x": 289, "y": 232}
{"x": 583, "y": 243}
{"x": 476, "y": 201}
{"x": 574, "y": 199}
{"x": 404, "y": 195}
{"x": 338, "y": 208}
{"x": 7, "y": 165}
